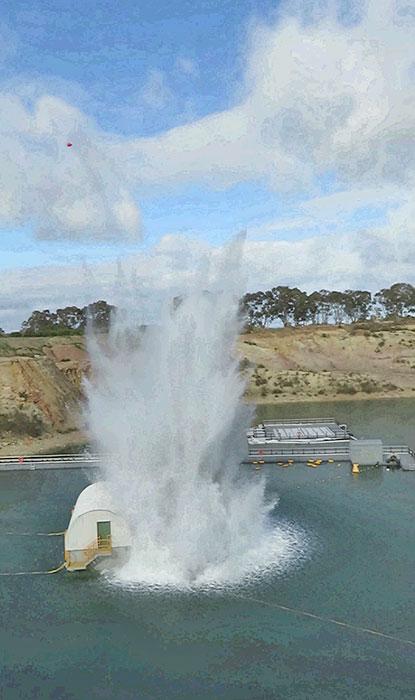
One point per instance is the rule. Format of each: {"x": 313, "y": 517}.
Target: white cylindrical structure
{"x": 95, "y": 529}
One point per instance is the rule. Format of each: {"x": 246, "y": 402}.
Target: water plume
{"x": 165, "y": 409}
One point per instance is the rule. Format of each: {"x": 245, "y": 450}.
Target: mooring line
{"x": 340, "y": 623}
{"x": 34, "y": 534}
{"x": 33, "y": 573}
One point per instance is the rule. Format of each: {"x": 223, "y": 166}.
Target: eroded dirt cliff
{"x": 40, "y": 389}
{"x": 326, "y": 363}
{"x": 41, "y": 378}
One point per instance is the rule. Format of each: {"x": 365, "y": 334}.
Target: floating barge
{"x": 305, "y": 439}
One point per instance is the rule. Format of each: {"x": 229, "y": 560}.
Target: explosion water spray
{"x": 165, "y": 409}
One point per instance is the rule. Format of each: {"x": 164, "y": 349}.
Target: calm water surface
{"x": 76, "y": 636}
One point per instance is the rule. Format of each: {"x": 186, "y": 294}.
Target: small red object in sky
{"x": 69, "y": 145}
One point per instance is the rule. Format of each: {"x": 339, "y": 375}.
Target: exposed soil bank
{"x": 326, "y": 363}
{"x": 41, "y": 378}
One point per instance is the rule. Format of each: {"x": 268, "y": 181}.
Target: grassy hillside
{"x": 41, "y": 378}
{"x": 367, "y": 360}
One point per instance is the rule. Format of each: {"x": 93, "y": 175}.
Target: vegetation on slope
{"x": 40, "y": 388}
{"x": 367, "y": 360}
{"x": 41, "y": 378}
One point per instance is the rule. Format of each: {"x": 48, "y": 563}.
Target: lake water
{"x": 76, "y": 636}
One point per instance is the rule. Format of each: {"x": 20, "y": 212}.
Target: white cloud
{"x": 155, "y": 92}
{"x": 319, "y": 96}
{"x": 349, "y": 201}
{"x": 359, "y": 259}
{"x": 279, "y": 225}
{"x": 66, "y": 191}
{"x": 330, "y": 213}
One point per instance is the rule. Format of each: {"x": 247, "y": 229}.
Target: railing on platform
{"x": 104, "y": 543}
{"x": 298, "y": 421}
{"x": 297, "y": 451}
{"x": 83, "y": 457}
{"x": 98, "y": 547}
{"x": 398, "y": 449}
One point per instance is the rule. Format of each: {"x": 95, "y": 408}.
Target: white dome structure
{"x": 95, "y": 530}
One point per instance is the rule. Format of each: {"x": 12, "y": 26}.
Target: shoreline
{"x": 285, "y": 400}
{"x": 59, "y": 443}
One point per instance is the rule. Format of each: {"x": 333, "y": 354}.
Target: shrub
{"x": 343, "y": 388}
{"x": 368, "y": 386}
{"x": 19, "y": 423}
{"x": 244, "y": 364}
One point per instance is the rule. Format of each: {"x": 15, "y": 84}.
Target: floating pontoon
{"x": 317, "y": 440}
{"x": 299, "y": 431}
{"x": 304, "y": 439}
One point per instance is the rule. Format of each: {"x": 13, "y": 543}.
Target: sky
{"x": 291, "y": 120}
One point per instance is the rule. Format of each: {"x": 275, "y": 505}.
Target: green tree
{"x": 313, "y": 302}
{"x": 256, "y": 309}
{"x": 40, "y": 323}
{"x": 324, "y": 306}
{"x": 281, "y": 304}
{"x": 357, "y": 304}
{"x": 98, "y": 315}
{"x": 397, "y": 300}
{"x": 71, "y": 318}
{"x": 337, "y": 302}
{"x": 300, "y": 307}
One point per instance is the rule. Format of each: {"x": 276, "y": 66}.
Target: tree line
{"x": 289, "y": 306}
{"x": 292, "y": 307}
{"x": 70, "y": 320}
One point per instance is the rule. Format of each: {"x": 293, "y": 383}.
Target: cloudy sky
{"x": 191, "y": 120}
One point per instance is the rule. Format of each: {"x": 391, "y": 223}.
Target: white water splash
{"x": 166, "y": 406}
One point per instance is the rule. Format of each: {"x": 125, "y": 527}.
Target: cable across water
{"x": 33, "y": 573}
{"x": 331, "y": 620}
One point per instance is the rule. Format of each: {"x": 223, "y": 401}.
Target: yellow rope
{"x": 33, "y": 573}
{"x": 34, "y": 534}
{"x": 304, "y": 613}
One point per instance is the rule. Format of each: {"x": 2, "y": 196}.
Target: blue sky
{"x": 196, "y": 120}
{"x": 104, "y": 52}
{"x": 100, "y": 57}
